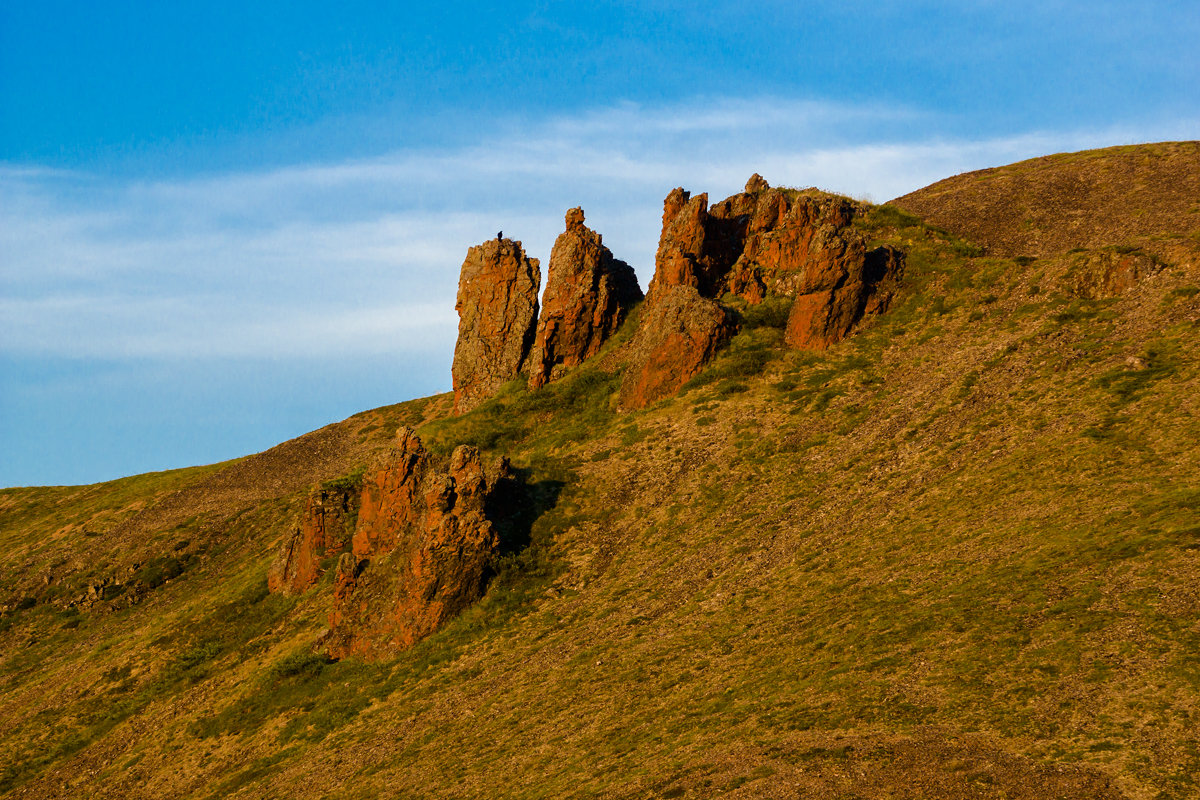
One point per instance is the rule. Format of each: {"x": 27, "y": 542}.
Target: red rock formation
{"x": 682, "y": 258}
{"x": 391, "y": 494}
{"x": 680, "y": 332}
{"x": 588, "y": 293}
{"x": 421, "y": 549}
{"x": 325, "y": 530}
{"x": 818, "y": 319}
{"x": 497, "y": 309}
{"x": 771, "y": 241}
{"x": 796, "y": 246}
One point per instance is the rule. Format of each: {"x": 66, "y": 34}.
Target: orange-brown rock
{"x": 683, "y": 258}
{"x": 818, "y": 319}
{"x": 421, "y": 549}
{"x": 795, "y": 246}
{"x": 391, "y": 496}
{"x": 325, "y": 529}
{"x": 497, "y": 309}
{"x": 767, "y": 241}
{"x": 679, "y": 333}
{"x": 588, "y": 293}
{"x": 846, "y": 289}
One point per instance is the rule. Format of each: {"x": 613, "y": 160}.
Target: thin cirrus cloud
{"x": 327, "y": 260}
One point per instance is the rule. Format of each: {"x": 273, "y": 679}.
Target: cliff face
{"x": 421, "y": 549}
{"x": 588, "y": 295}
{"x": 497, "y": 309}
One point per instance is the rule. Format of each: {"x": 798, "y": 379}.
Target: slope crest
{"x": 1147, "y": 195}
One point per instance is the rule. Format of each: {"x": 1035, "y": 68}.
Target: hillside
{"x": 1133, "y": 196}
{"x": 955, "y": 554}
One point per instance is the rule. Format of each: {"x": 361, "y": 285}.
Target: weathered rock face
{"x": 391, "y": 496}
{"x": 771, "y": 241}
{"x": 325, "y": 529}
{"x": 796, "y": 246}
{"x": 683, "y": 258}
{"x": 421, "y": 549}
{"x": 588, "y": 294}
{"x": 680, "y": 332}
{"x": 847, "y": 289}
{"x": 497, "y": 310}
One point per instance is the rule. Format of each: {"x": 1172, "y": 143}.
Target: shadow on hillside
{"x": 516, "y": 504}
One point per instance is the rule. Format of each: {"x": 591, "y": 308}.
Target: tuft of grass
{"x": 159, "y": 570}
{"x": 772, "y": 312}
{"x": 580, "y": 402}
{"x": 352, "y": 481}
{"x": 747, "y": 356}
{"x": 887, "y": 217}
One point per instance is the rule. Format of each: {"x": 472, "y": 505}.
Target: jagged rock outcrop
{"x": 760, "y": 242}
{"x": 684, "y": 255}
{"x": 497, "y": 309}
{"x": 679, "y": 333}
{"x": 794, "y": 246}
{"x": 420, "y": 551}
{"x": 847, "y": 289}
{"x": 772, "y": 241}
{"x": 588, "y": 294}
{"x": 325, "y": 529}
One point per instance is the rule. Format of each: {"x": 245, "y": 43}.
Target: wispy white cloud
{"x": 202, "y": 326}
{"x": 362, "y": 256}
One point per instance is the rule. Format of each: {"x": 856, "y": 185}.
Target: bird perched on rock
{"x": 500, "y": 235}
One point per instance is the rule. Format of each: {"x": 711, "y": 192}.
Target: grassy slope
{"x": 1144, "y": 195}
{"x": 957, "y": 555}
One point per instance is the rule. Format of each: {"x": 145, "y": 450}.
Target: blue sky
{"x": 223, "y": 225}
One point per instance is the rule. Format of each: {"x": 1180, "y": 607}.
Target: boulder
{"x": 421, "y": 549}
{"x": 497, "y": 309}
{"x": 325, "y": 529}
{"x": 588, "y": 294}
{"x": 679, "y": 333}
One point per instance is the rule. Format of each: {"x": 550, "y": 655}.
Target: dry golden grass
{"x": 1144, "y": 195}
